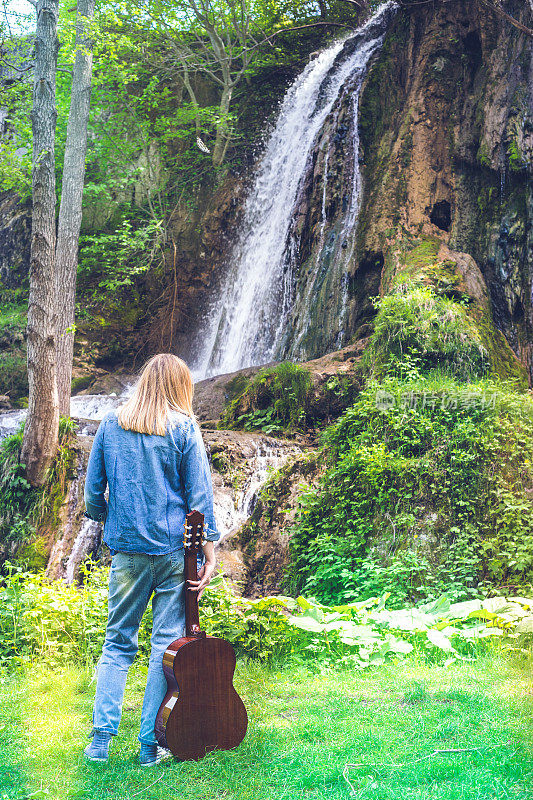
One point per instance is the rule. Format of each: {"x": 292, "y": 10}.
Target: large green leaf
{"x": 306, "y": 623}
{"x": 439, "y": 640}
{"x": 525, "y": 625}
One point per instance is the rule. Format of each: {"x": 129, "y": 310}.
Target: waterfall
{"x": 258, "y": 316}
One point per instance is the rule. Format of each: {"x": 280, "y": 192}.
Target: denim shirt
{"x": 154, "y": 481}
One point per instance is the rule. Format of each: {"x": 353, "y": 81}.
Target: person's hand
{"x": 206, "y": 572}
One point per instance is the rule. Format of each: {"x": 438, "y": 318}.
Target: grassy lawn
{"x": 303, "y": 730}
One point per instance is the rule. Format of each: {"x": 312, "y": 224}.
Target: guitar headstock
{"x": 193, "y": 534}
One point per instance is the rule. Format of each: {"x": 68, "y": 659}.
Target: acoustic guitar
{"x": 201, "y": 710}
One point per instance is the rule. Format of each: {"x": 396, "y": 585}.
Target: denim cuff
{"x": 211, "y": 534}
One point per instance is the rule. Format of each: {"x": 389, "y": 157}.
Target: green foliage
{"x": 59, "y": 623}
{"x": 17, "y": 498}
{"x": 24, "y": 509}
{"x": 276, "y": 399}
{"x": 116, "y": 258}
{"x": 15, "y": 146}
{"x": 425, "y": 492}
{"x": 13, "y": 375}
{"x": 415, "y": 327}
{"x": 13, "y": 371}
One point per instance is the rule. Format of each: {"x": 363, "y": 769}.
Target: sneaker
{"x": 98, "y": 750}
{"x": 151, "y": 755}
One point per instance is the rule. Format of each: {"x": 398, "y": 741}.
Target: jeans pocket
{"x": 124, "y": 564}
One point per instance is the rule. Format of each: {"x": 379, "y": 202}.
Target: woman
{"x": 151, "y": 456}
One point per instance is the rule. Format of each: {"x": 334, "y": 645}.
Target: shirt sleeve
{"x": 196, "y": 479}
{"x": 96, "y": 479}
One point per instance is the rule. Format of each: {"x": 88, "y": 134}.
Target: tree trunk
{"x": 70, "y": 210}
{"x": 221, "y": 140}
{"x": 41, "y": 431}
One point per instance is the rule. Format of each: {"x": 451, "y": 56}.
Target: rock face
{"x": 446, "y": 123}
{"x": 15, "y": 233}
{"x": 262, "y": 544}
{"x": 77, "y": 536}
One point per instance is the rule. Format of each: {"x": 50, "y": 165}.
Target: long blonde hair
{"x": 165, "y": 385}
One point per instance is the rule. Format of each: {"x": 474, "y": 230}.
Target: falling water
{"x": 89, "y": 406}
{"x": 248, "y": 323}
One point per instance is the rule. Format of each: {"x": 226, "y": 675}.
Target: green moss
{"x": 417, "y": 329}
{"x": 503, "y": 362}
{"x": 236, "y": 386}
{"x": 81, "y": 383}
{"x": 483, "y": 155}
{"x": 516, "y": 160}
{"x": 33, "y": 555}
{"x": 429, "y": 322}
{"x": 422, "y": 254}
{"x": 486, "y": 198}
{"x": 220, "y": 462}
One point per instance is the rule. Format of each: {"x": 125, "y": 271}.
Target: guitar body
{"x": 201, "y": 710}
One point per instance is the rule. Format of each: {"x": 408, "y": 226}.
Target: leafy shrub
{"x": 13, "y": 375}
{"x": 17, "y": 498}
{"x": 424, "y": 495}
{"x": 116, "y": 258}
{"x": 276, "y": 399}
{"x": 56, "y": 623}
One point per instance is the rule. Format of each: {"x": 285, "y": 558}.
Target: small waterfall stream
{"x": 89, "y": 406}
{"x": 254, "y": 320}
{"x": 79, "y": 537}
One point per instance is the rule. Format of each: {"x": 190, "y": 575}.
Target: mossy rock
{"x": 457, "y": 302}
{"x": 220, "y": 462}
{"x": 80, "y": 383}
{"x": 504, "y": 363}
{"x": 34, "y": 555}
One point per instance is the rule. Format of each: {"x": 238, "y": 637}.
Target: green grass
{"x": 304, "y": 729}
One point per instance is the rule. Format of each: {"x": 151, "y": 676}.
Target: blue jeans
{"x": 132, "y": 580}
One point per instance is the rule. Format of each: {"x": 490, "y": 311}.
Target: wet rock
{"x": 108, "y": 383}
{"x": 262, "y": 551}
{"x": 77, "y": 536}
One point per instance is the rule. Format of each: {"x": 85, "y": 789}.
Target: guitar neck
{"x": 192, "y": 618}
